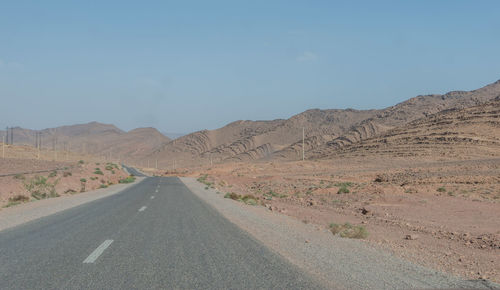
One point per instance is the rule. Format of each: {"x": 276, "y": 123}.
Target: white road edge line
{"x": 97, "y": 252}
{"x": 143, "y": 208}
{"x": 153, "y": 197}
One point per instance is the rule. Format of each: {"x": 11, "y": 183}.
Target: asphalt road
{"x": 156, "y": 234}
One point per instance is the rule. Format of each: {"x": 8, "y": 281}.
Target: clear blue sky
{"x": 182, "y": 66}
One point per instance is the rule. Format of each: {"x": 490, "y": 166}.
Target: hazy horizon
{"x": 184, "y": 67}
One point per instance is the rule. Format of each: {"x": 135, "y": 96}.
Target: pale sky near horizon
{"x": 183, "y": 66}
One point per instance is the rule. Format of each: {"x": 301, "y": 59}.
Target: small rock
{"x": 364, "y": 211}
{"x": 411, "y": 237}
{"x": 307, "y": 241}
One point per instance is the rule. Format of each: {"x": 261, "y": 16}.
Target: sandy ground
{"x": 442, "y": 214}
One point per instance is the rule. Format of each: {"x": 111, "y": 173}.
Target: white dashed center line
{"x": 153, "y": 197}
{"x": 156, "y": 190}
{"x": 97, "y": 252}
{"x": 143, "y": 208}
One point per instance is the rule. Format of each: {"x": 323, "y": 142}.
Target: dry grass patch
{"x": 349, "y": 231}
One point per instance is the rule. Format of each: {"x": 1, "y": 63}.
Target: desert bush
{"x": 129, "y": 179}
{"x": 343, "y": 189}
{"x": 19, "y": 176}
{"x": 98, "y": 171}
{"x": 272, "y": 193}
{"x": 53, "y": 174}
{"x": 103, "y": 186}
{"x": 81, "y": 162}
{"x": 349, "y": 231}
{"x": 70, "y": 191}
{"x": 109, "y": 167}
{"x": 344, "y": 184}
{"x": 441, "y": 189}
{"x": 19, "y": 197}
{"x": 232, "y": 195}
{"x": 40, "y": 188}
{"x": 249, "y": 199}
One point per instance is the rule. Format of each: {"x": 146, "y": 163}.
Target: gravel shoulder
{"x": 23, "y": 213}
{"x": 337, "y": 262}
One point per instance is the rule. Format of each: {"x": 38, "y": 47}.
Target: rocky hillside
{"x": 252, "y": 140}
{"x": 398, "y": 115}
{"x": 325, "y": 131}
{"x": 457, "y": 133}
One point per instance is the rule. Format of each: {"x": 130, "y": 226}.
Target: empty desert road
{"x": 156, "y": 234}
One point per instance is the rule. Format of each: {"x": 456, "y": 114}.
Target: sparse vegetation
{"x": 232, "y": 195}
{"x": 81, "y": 162}
{"x": 349, "y": 231}
{"x": 98, "y": 171}
{"x": 19, "y": 176}
{"x": 83, "y": 182}
{"x": 129, "y": 179}
{"x": 18, "y": 199}
{"x": 247, "y": 199}
{"x": 344, "y": 184}
{"x": 40, "y": 188}
{"x": 441, "y": 189}
{"x": 103, "y": 186}
{"x": 53, "y": 174}
{"x": 343, "y": 189}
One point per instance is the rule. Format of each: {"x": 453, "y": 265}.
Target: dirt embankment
{"x": 441, "y": 214}
{"x": 29, "y": 180}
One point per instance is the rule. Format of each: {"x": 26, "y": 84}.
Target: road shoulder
{"x": 23, "y": 213}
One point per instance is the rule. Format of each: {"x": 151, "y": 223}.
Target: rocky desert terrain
{"x": 428, "y": 190}
{"x": 420, "y": 178}
{"x": 24, "y": 177}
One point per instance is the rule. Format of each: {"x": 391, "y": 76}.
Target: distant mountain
{"x": 325, "y": 131}
{"x": 251, "y": 140}
{"x": 96, "y": 139}
{"x": 173, "y": 135}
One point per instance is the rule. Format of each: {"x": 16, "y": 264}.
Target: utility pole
{"x": 303, "y": 143}
{"x": 55, "y": 146}
{"x": 7, "y": 133}
{"x": 11, "y": 135}
{"x": 38, "y": 143}
{"x": 3, "y": 147}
